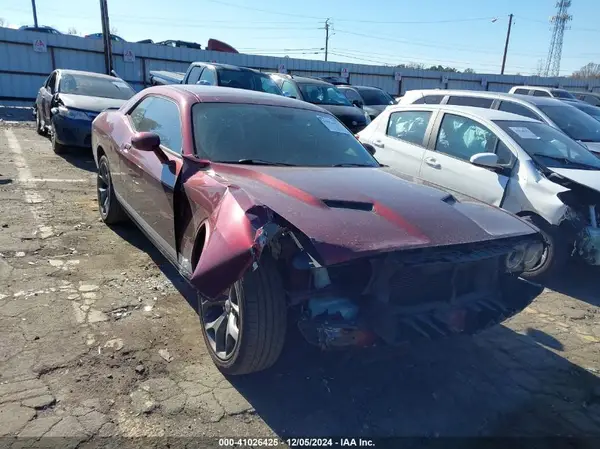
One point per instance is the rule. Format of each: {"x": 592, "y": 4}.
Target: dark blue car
{"x": 70, "y": 100}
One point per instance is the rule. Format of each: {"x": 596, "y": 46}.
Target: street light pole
{"x": 35, "y": 23}
{"x": 510, "y": 19}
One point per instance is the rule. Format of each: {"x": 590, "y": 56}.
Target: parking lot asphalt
{"x": 99, "y": 337}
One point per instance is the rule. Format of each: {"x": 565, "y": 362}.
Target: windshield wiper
{"x": 564, "y": 160}
{"x": 259, "y": 162}
{"x": 352, "y": 164}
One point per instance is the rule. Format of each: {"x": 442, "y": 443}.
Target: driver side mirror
{"x": 54, "y": 101}
{"x": 149, "y": 141}
{"x": 486, "y": 160}
{"x": 289, "y": 95}
{"x": 369, "y": 148}
{"x": 357, "y": 103}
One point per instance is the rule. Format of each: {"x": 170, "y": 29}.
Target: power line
{"x": 263, "y": 10}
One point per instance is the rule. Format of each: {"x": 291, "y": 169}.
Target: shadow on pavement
{"x": 132, "y": 234}
{"x": 544, "y": 339}
{"x": 579, "y": 281}
{"x": 82, "y": 158}
{"x": 498, "y": 383}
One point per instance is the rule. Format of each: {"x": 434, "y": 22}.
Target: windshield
{"x": 590, "y": 110}
{"x": 573, "y": 122}
{"x": 323, "y": 94}
{"x": 561, "y": 94}
{"x": 227, "y": 132}
{"x": 374, "y": 97}
{"x": 246, "y": 79}
{"x": 95, "y": 86}
{"x": 549, "y": 146}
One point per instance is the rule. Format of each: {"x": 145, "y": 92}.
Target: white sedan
{"x": 507, "y": 160}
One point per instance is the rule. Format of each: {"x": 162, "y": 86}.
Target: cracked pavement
{"x": 98, "y": 339}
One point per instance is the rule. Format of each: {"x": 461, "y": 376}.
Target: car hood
{"x": 375, "y": 109}
{"x": 352, "y": 212}
{"x": 588, "y": 178}
{"x": 347, "y": 114}
{"x": 93, "y": 104}
{"x": 592, "y": 146}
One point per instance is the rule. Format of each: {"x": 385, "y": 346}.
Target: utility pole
{"x": 326, "y": 38}
{"x": 510, "y": 19}
{"x": 106, "y": 37}
{"x": 35, "y": 24}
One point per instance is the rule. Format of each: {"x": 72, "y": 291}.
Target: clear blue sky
{"x": 459, "y": 33}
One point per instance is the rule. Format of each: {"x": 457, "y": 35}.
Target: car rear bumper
{"x": 70, "y": 132}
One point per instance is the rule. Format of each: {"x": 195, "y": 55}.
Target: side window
{"x": 521, "y": 91}
{"x": 209, "y": 76}
{"x": 352, "y": 95}
{"x": 52, "y": 83}
{"x": 433, "y": 99}
{"x": 409, "y": 126}
{"x": 541, "y": 93}
{"x": 289, "y": 89}
{"x": 516, "y": 108}
{"x": 161, "y": 116}
{"x": 506, "y": 158}
{"x": 194, "y": 75}
{"x": 462, "y": 137}
{"x": 476, "y": 102}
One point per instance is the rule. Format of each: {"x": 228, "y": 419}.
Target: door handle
{"x": 378, "y": 143}
{"x": 127, "y": 146}
{"x": 432, "y": 162}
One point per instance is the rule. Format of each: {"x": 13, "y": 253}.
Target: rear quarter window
{"x": 476, "y": 102}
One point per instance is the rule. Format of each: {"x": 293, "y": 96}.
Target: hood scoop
{"x": 353, "y": 205}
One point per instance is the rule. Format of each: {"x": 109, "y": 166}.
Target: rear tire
{"x": 110, "y": 209}
{"x": 261, "y": 320}
{"x": 556, "y": 254}
{"x": 38, "y": 123}
{"x": 56, "y": 147}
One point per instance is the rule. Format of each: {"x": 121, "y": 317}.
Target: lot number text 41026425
{"x": 295, "y": 442}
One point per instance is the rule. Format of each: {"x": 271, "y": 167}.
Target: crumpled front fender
{"x": 236, "y": 239}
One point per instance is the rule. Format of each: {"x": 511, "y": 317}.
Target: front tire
{"x": 556, "y": 254}
{"x": 246, "y": 333}
{"x": 111, "y": 210}
{"x": 56, "y": 147}
{"x": 38, "y": 123}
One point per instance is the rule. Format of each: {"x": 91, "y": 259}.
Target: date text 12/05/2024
{"x": 296, "y": 442}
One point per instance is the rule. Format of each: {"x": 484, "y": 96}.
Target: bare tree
{"x": 469, "y": 70}
{"x": 113, "y": 29}
{"x": 590, "y": 70}
{"x": 2, "y": 22}
{"x": 73, "y": 31}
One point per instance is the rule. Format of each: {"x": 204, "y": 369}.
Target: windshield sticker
{"x": 523, "y": 132}
{"x": 120, "y": 84}
{"x": 332, "y": 124}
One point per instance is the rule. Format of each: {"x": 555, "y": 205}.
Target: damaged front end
{"x": 386, "y": 297}
{"x": 410, "y": 295}
{"x": 581, "y": 219}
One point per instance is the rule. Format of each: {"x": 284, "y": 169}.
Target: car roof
{"x": 220, "y": 94}
{"x": 548, "y": 101}
{"x": 486, "y": 114}
{"x": 306, "y": 79}
{"x": 229, "y": 67}
{"x": 582, "y": 92}
{"x": 81, "y": 72}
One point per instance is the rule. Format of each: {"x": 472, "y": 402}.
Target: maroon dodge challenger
{"x": 275, "y": 213}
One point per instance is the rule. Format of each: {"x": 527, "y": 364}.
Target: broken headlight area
{"x": 524, "y": 257}
{"x": 587, "y": 245}
{"x": 404, "y": 296}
